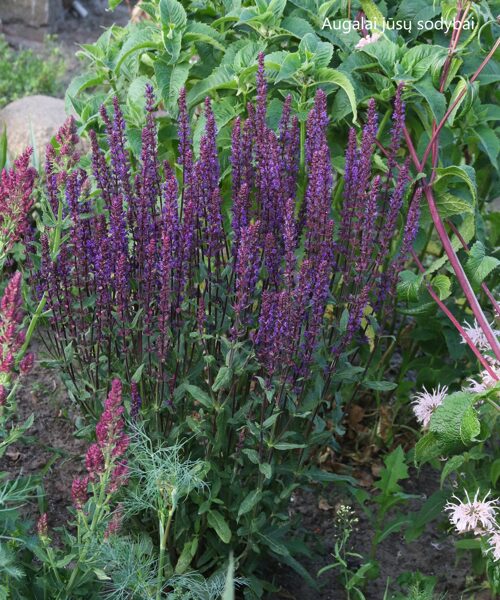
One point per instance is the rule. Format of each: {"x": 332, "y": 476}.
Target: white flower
{"x": 476, "y": 515}
{"x": 485, "y": 380}
{"x": 425, "y": 403}
{"x": 369, "y": 39}
{"x": 494, "y": 542}
{"x": 477, "y": 336}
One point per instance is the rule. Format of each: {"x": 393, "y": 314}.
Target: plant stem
{"x": 164, "y": 531}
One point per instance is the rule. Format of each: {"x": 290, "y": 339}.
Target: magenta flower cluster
{"x": 106, "y": 455}
{"x": 12, "y": 337}
{"x": 16, "y": 201}
{"x": 151, "y": 257}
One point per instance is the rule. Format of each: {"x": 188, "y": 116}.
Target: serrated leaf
{"x": 170, "y": 80}
{"x": 455, "y": 423}
{"x": 442, "y": 285}
{"x": 219, "y": 525}
{"x": 395, "y": 470}
{"x": 290, "y": 65}
{"x": 201, "y": 32}
{"x": 408, "y": 287}
{"x": 478, "y": 265}
{"x": 328, "y": 75}
{"x": 172, "y": 14}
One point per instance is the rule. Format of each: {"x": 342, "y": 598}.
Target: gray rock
{"x": 35, "y": 13}
{"x": 31, "y": 121}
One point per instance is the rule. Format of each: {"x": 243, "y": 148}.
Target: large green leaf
{"x": 454, "y": 424}
{"x": 219, "y": 525}
{"x": 327, "y": 75}
{"x": 479, "y": 265}
{"x": 170, "y": 80}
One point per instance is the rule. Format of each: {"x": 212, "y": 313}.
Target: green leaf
{"x": 170, "y": 79}
{"x": 464, "y": 173}
{"x": 454, "y": 423}
{"x": 434, "y": 98}
{"x": 442, "y": 285}
{"x": 114, "y": 3}
{"x": 136, "y": 377}
{"x": 451, "y": 465}
{"x": 380, "y": 386}
{"x": 222, "y": 77}
{"x": 296, "y": 25}
{"x": 223, "y": 379}
{"x": 219, "y": 525}
{"x": 289, "y": 67}
{"x": 172, "y": 15}
{"x": 489, "y": 142}
{"x": 266, "y": 470}
{"x": 327, "y": 75}
{"x": 431, "y": 509}
{"x": 395, "y": 469}
{"x": 408, "y": 287}
{"x": 427, "y": 448}
{"x": 449, "y": 204}
{"x": 495, "y": 472}
{"x": 201, "y": 32}
{"x": 288, "y": 446}
{"x": 186, "y": 556}
{"x": 139, "y": 39}
{"x": 316, "y": 51}
{"x": 249, "y": 502}
{"x": 478, "y": 265}
{"x": 199, "y": 395}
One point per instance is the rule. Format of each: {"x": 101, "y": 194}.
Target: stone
{"x": 35, "y": 13}
{"x": 32, "y": 120}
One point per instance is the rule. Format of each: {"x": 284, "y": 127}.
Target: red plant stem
{"x": 484, "y": 287}
{"x": 452, "y": 107}
{"x": 452, "y": 318}
{"x": 453, "y": 258}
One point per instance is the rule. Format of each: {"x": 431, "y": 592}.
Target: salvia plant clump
{"x": 227, "y": 318}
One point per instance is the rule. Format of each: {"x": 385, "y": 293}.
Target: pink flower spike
{"x": 42, "y": 527}
{"x": 94, "y": 461}
{"x": 79, "y": 492}
{"x": 425, "y": 403}
{"x": 27, "y": 363}
{"x": 477, "y": 515}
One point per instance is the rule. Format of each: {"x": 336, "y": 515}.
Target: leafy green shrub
{"x": 24, "y": 72}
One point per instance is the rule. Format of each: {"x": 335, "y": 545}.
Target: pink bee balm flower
{"x": 476, "y": 515}
{"x": 494, "y": 543}
{"x": 425, "y": 403}
{"x": 484, "y": 381}
{"x": 369, "y": 39}
{"x": 477, "y": 336}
